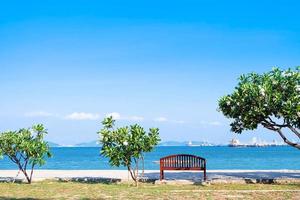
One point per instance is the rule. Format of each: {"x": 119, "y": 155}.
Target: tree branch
{"x": 131, "y": 173}
{"x": 31, "y": 173}
{"x": 294, "y": 130}
{"x": 272, "y": 127}
{"x": 296, "y": 145}
{"x": 275, "y": 124}
{"x": 268, "y": 125}
{"x": 12, "y": 159}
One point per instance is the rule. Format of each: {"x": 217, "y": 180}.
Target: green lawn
{"x": 73, "y": 190}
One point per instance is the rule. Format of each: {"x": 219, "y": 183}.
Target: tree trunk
{"x": 31, "y": 173}
{"x": 143, "y": 165}
{"x": 132, "y": 174}
{"x": 137, "y": 173}
{"x": 26, "y": 176}
{"x": 24, "y": 171}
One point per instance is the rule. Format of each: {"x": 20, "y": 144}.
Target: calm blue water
{"x": 217, "y": 158}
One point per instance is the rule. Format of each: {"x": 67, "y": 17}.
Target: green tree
{"x": 271, "y": 100}
{"x": 26, "y": 148}
{"x": 126, "y": 146}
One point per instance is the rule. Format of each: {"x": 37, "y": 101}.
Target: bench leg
{"x": 205, "y": 178}
{"x": 162, "y": 175}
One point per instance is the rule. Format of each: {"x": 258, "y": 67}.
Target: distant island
{"x": 85, "y": 144}
{"x": 186, "y": 143}
{"x": 233, "y": 143}
{"x": 52, "y": 144}
{"x": 88, "y": 144}
{"x": 166, "y": 143}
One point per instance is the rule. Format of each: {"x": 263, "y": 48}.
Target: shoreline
{"x": 214, "y": 176}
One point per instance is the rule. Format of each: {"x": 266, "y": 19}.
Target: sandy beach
{"x": 122, "y": 175}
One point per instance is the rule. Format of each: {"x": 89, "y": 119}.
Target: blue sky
{"x": 158, "y": 63}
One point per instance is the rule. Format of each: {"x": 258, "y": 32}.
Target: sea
{"x": 218, "y": 158}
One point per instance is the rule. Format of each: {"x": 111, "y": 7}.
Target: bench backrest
{"x": 183, "y": 162}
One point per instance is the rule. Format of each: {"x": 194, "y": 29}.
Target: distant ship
{"x": 203, "y": 144}
{"x": 236, "y": 143}
{"x": 190, "y": 144}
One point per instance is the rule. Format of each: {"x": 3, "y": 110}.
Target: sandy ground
{"x": 154, "y": 174}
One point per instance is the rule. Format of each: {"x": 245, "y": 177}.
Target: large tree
{"x": 26, "y": 148}
{"x": 126, "y": 146}
{"x": 271, "y": 99}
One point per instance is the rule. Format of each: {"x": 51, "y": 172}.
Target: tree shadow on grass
{"x": 90, "y": 180}
{"x": 100, "y": 180}
{"x": 12, "y": 180}
{"x": 259, "y": 176}
{"x": 176, "y": 175}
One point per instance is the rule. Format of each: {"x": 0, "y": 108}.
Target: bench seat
{"x": 182, "y": 162}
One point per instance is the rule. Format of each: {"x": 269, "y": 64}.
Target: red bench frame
{"x": 182, "y": 162}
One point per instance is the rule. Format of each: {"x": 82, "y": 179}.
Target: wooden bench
{"x": 182, "y": 162}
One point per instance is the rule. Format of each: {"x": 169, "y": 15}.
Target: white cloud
{"x": 117, "y": 116}
{"x": 161, "y": 119}
{"x": 89, "y": 116}
{"x": 164, "y": 119}
{"x": 136, "y": 118}
{"x": 38, "y": 114}
{"x": 82, "y": 116}
{"x": 114, "y": 115}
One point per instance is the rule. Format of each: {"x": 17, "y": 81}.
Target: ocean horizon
{"x": 218, "y": 158}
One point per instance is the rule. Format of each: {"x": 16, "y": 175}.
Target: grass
{"x": 75, "y": 190}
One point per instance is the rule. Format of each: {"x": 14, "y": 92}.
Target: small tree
{"x": 125, "y": 146}
{"x": 26, "y": 148}
{"x": 271, "y": 100}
